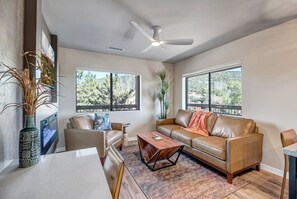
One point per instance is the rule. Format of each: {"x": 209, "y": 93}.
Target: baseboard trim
{"x": 6, "y": 164}
{"x": 60, "y": 149}
{"x": 273, "y": 170}
{"x": 130, "y": 139}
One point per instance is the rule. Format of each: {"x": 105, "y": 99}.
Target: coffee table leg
{"x": 180, "y": 150}
{"x": 157, "y": 158}
{"x": 156, "y": 161}
{"x": 140, "y": 151}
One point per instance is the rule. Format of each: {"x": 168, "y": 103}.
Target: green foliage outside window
{"x": 95, "y": 92}
{"x": 92, "y": 91}
{"x": 225, "y": 87}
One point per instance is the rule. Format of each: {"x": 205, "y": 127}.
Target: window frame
{"x": 111, "y": 109}
{"x": 209, "y": 86}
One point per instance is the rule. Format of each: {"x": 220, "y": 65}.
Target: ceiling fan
{"x": 155, "y": 39}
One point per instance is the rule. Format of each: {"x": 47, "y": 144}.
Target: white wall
{"x": 269, "y": 81}
{"x": 11, "y": 45}
{"x": 142, "y": 120}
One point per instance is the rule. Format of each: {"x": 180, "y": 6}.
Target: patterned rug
{"x": 188, "y": 179}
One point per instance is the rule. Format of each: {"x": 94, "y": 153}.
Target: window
{"x": 103, "y": 91}
{"x": 219, "y": 92}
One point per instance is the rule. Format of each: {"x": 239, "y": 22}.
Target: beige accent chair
{"x": 80, "y": 134}
{"x": 287, "y": 137}
{"x": 114, "y": 169}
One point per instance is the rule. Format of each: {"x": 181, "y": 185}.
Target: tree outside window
{"x": 103, "y": 91}
{"x": 219, "y": 92}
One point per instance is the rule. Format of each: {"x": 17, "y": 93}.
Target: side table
{"x": 291, "y": 152}
{"x": 125, "y": 141}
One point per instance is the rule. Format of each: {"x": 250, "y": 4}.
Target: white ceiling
{"x": 93, "y": 25}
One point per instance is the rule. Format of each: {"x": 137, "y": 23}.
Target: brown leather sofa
{"x": 234, "y": 144}
{"x": 79, "y": 134}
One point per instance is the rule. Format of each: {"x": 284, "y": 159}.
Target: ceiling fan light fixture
{"x": 155, "y": 39}
{"x": 155, "y": 43}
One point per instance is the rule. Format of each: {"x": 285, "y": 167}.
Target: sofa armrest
{"x": 167, "y": 121}
{"x": 244, "y": 151}
{"x": 84, "y": 138}
{"x": 117, "y": 126}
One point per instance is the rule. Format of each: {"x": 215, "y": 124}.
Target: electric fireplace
{"x": 49, "y": 134}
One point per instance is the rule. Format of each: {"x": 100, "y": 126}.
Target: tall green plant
{"x": 162, "y": 94}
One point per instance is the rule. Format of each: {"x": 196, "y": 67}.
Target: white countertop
{"x": 69, "y": 175}
{"x": 291, "y": 150}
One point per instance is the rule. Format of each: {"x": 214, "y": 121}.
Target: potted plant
{"x": 35, "y": 93}
{"x": 162, "y": 94}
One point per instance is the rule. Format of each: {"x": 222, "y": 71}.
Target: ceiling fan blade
{"x": 137, "y": 27}
{"x": 178, "y": 42}
{"x": 146, "y": 49}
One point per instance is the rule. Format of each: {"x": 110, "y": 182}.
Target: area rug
{"x": 188, "y": 179}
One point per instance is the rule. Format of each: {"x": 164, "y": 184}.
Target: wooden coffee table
{"x": 153, "y": 150}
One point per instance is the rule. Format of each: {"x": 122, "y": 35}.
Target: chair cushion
{"x": 113, "y": 136}
{"x": 227, "y": 126}
{"x": 212, "y": 145}
{"x": 184, "y": 136}
{"x": 183, "y": 117}
{"x": 81, "y": 122}
{"x": 167, "y": 129}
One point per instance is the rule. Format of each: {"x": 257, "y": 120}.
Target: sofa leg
{"x": 257, "y": 167}
{"x": 229, "y": 178}
{"x": 121, "y": 147}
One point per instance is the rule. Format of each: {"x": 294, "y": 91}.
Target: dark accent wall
{"x": 54, "y": 44}
{"x": 30, "y": 29}
{"x": 31, "y": 38}
{"x": 34, "y": 26}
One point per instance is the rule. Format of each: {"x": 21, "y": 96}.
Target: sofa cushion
{"x": 211, "y": 120}
{"x": 183, "y": 117}
{"x": 184, "y": 136}
{"x": 112, "y": 136}
{"x": 212, "y": 145}
{"x": 81, "y": 122}
{"x": 167, "y": 129}
{"x": 227, "y": 126}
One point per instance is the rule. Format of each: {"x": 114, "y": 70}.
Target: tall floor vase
{"x": 29, "y": 148}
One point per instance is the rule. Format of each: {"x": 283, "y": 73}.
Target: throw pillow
{"x": 102, "y": 122}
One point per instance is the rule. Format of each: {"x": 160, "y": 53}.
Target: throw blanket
{"x": 198, "y": 123}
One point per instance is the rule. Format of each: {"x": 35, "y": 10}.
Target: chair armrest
{"x": 167, "y": 121}
{"x": 117, "y": 126}
{"x": 244, "y": 151}
{"x": 85, "y": 138}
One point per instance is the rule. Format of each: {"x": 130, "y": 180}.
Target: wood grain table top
{"x": 164, "y": 143}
